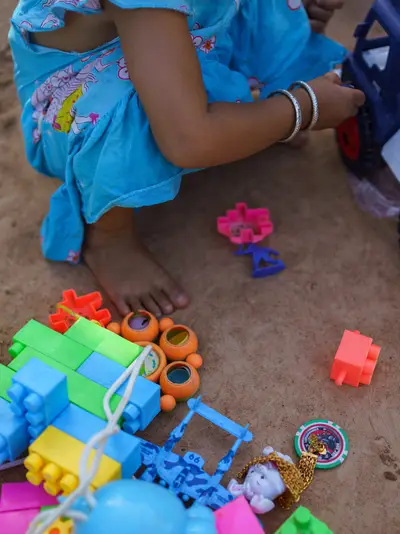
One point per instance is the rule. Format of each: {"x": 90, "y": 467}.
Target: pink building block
{"x": 23, "y": 496}
{"x": 243, "y": 225}
{"x": 17, "y": 522}
{"x": 237, "y": 517}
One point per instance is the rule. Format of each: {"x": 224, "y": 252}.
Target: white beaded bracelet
{"x": 297, "y": 110}
{"x": 314, "y": 101}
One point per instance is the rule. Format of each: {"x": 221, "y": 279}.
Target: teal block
{"x": 39, "y": 394}
{"x": 81, "y": 391}
{"x": 45, "y": 340}
{"x": 103, "y": 341}
{"x": 121, "y": 447}
{"x": 14, "y": 437}
{"x": 144, "y": 402}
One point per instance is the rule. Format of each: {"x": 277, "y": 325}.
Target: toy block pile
{"x": 51, "y": 403}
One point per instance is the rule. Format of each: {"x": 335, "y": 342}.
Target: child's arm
{"x": 320, "y": 12}
{"x": 191, "y": 133}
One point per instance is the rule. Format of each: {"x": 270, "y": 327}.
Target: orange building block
{"x": 355, "y": 360}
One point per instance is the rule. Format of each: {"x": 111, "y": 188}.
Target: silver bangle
{"x": 314, "y": 101}
{"x": 297, "y": 110}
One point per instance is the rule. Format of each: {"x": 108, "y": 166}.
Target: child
{"x": 122, "y": 97}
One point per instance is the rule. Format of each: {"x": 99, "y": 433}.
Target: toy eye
{"x": 262, "y": 477}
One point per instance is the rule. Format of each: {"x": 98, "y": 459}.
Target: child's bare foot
{"x": 125, "y": 268}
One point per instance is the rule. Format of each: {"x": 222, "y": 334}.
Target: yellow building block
{"x": 54, "y": 459}
{"x": 61, "y": 527}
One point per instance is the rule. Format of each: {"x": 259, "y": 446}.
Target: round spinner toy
{"x": 334, "y": 438}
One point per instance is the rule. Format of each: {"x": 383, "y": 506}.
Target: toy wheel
{"x": 355, "y": 137}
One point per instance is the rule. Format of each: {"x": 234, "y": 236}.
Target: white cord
{"x": 88, "y": 468}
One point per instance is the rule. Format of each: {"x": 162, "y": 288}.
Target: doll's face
{"x": 264, "y": 480}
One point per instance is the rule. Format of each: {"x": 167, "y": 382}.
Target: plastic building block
{"x": 103, "y": 341}
{"x": 144, "y": 403}
{"x": 6, "y": 375}
{"x": 23, "y": 496}
{"x": 243, "y": 225}
{"x": 61, "y": 527}
{"x": 54, "y": 458}
{"x": 14, "y": 437}
{"x": 51, "y": 343}
{"x": 303, "y": 522}
{"x": 186, "y": 476}
{"x": 88, "y": 306}
{"x": 266, "y": 261}
{"x": 38, "y": 393}
{"x": 16, "y": 522}
{"x": 237, "y": 517}
{"x": 355, "y": 360}
{"x": 121, "y": 447}
{"x": 81, "y": 391}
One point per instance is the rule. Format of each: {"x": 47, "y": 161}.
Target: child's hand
{"x": 336, "y": 103}
{"x": 320, "y": 12}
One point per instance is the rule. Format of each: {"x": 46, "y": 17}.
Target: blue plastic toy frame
{"x": 185, "y": 476}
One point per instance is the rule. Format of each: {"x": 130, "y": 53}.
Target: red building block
{"x": 88, "y": 306}
{"x": 355, "y": 360}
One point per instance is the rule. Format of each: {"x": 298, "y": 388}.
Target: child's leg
{"x": 125, "y": 268}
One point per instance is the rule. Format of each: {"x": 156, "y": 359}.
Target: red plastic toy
{"x": 243, "y": 225}
{"x": 72, "y": 307}
{"x": 355, "y": 360}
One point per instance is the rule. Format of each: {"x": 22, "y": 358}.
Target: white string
{"x": 88, "y": 468}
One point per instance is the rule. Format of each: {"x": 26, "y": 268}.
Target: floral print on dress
{"x": 73, "y": 257}
{"x": 294, "y": 5}
{"x": 123, "y": 73}
{"x": 208, "y": 45}
{"x": 54, "y": 100}
{"x": 88, "y": 4}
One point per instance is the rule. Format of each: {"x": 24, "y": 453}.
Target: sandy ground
{"x": 268, "y": 344}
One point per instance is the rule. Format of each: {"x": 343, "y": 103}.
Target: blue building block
{"x": 14, "y": 437}
{"x": 121, "y": 447}
{"x": 38, "y": 393}
{"x": 144, "y": 404}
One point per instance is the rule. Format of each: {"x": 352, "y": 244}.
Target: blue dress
{"x": 83, "y": 121}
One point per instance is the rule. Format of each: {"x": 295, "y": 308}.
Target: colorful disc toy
{"x": 334, "y": 438}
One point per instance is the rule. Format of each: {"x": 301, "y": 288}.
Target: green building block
{"x": 47, "y": 341}
{"x": 6, "y": 375}
{"x": 303, "y": 522}
{"x": 103, "y": 341}
{"x": 81, "y": 391}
